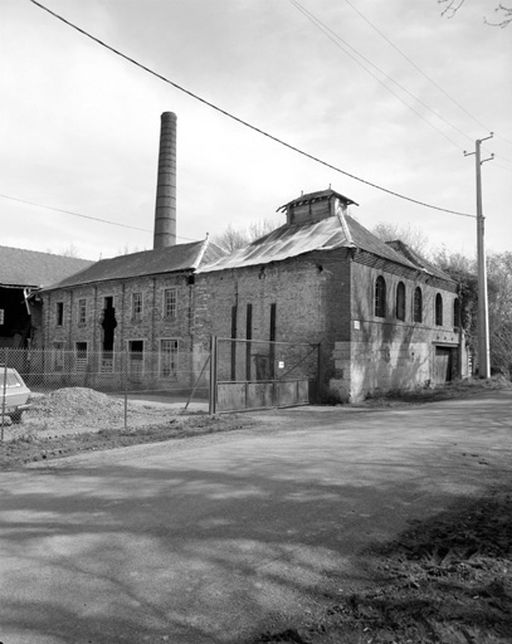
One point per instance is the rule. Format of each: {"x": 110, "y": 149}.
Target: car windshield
{"x": 11, "y": 380}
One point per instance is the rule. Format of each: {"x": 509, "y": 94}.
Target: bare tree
{"x": 499, "y": 271}
{"x": 233, "y": 238}
{"x": 410, "y": 235}
{"x": 504, "y": 17}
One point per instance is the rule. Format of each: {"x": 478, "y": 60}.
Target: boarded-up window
{"x": 380, "y": 297}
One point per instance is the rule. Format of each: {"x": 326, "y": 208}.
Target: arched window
{"x": 380, "y": 297}
{"x": 400, "y": 301}
{"x": 439, "y": 310}
{"x": 456, "y": 312}
{"x": 418, "y": 305}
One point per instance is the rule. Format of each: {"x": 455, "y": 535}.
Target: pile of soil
{"x": 73, "y": 410}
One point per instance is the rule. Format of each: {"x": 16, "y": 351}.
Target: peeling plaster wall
{"x": 385, "y": 353}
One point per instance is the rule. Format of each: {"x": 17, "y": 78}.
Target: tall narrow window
{"x": 60, "y": 313}
{"x": 418, "y": 305}
{"x": 439, "y": 310}
{"x": 456, "y": 313}
{"x": 170, "y": 303}
{"x": 234, "y": 316}
{"x": 380, "y": 297}
{"x": 400, "y": 301}
{"x": 82, "y": 311}
{"x": 168, "y": 358}
{"x": 248, "y": 335}
{"x": 136, "y": 306}
{"x": 108, "y": 324}
{"x": 272, "y": 336}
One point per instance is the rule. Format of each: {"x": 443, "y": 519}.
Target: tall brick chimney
{"x": 165, "y": 207}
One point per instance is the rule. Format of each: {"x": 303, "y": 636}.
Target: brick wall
{"x": 310, "y": 294}
{"x": 151, "y": 325}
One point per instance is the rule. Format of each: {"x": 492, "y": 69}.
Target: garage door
{"x": 443, "y": 364}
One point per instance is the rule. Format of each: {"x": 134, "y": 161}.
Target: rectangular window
{"x": 136, "y": 358}
{"x": 136, "y": 306}
{"x": 169, "y": 303}
{"x": 168, "y": 358}
{"x": 234, "y": 315}
{"x": 81, "y": 356}
{"x": 60, "y": 313}
{"x": 82, "y": 311}
{"x": 248, "y": 335}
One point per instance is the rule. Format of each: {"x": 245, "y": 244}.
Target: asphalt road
{"x": 217, "y": 538}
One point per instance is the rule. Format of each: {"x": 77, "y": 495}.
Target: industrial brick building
{"x": 383, "y": 317}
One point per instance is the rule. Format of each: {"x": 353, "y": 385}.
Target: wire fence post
{"x": 4, "y": 391}
{"x": 212, "y": 405}
{"x": 196, "y": 384}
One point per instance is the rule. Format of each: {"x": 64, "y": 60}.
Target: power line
{"x": 418, "y": 68}
{"x": 339, "y": 42}
{"x": 78, "y": 214}
{"x": 243, "y": 122}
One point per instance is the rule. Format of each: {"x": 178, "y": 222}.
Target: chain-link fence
{"x": 87, "y": 389}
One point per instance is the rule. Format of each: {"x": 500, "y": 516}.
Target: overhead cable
{"x": 78, "y": 214}
{"x": 421, "y": 71}
{"x": 342, "y": 44}
{"x": 242, "y": 121}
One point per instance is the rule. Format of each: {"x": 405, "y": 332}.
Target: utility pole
{"x": 484, "y": 362}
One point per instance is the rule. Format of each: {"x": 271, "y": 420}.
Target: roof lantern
{"x": 315, "y": 206}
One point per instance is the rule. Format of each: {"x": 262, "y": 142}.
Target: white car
{"x": 14, "y": 394}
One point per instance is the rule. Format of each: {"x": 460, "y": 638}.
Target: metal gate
{"x": 261, "y": 374}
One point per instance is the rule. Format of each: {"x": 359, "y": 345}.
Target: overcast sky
{"x": 79, "y": 126}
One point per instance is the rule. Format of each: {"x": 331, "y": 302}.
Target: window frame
{"x": 137, "y": 306}
{"x": 400, "y": 301}
{"x": 379, "y": 297}
{"x": 81, "y": 361}
{"x": 417, "y": 305}
{"x": 163, "y": 356}
{"x": 82, "y": 311}
{"x": 59, "y": 313}
{"x": 438, "y": 310}
{"x": 170, "y": 306}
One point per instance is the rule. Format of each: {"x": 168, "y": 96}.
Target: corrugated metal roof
{"x": 416, "y": 259}
{"x": 21, "y": 267}
{"x": 180, "y": 257}
{"x": 328, "y": 234}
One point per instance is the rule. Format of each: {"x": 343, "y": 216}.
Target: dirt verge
{"x": 32, "y": 446}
